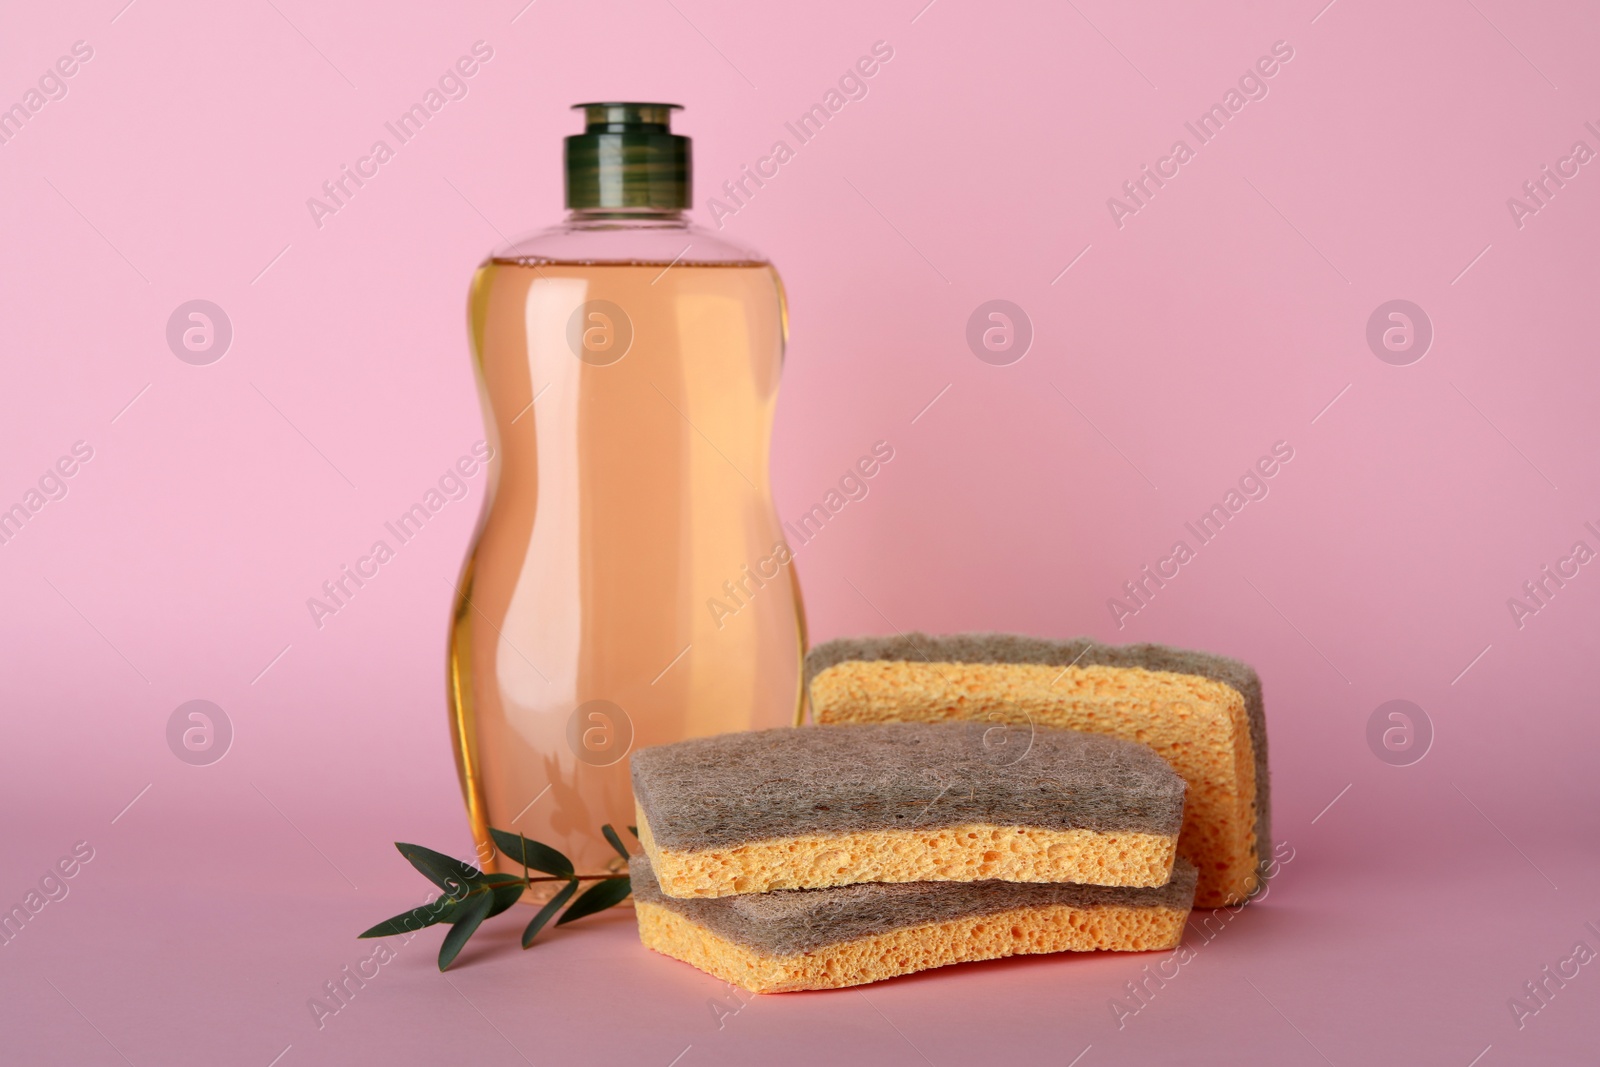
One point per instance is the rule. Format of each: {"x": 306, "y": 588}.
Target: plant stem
{"x": 564, "y": 878}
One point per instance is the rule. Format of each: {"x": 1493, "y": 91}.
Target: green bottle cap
{"x": 627, "y": 157}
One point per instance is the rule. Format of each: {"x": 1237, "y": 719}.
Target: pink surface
{"x": 1228, "y": 313}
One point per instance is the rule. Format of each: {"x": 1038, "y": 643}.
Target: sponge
{"x": 1202, "y": 713}
{"x": 800, "y": 808}
{"x": 850, "y": 935}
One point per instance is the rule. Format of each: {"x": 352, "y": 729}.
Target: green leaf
{"x": 506, "y": 889}
{"x": 532, "y": 854}
{"x": 548, "y": 910}
{"x": 616, "y": 842}
{"x": 598, "y": 897}
{"x": 634, "y": 830}
{"x": 443, "y": 871}
{"x": 405, "y": 922}
{"x": 472, "y": 914}
{"x": 447, "y": 907}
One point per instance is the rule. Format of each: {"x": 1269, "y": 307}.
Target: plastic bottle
{"x": 629, "y": 583}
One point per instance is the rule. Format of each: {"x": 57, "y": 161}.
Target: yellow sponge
{"x": 801, "y": 808}
{"x": 1202, "y": 713}
{"x": 851, "y": 935}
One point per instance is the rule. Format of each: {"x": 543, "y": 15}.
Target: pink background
{"x": 1224, "y": 316}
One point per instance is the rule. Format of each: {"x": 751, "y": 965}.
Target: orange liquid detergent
{"x": 624, "y": 587}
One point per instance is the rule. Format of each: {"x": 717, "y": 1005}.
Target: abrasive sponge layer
{"x": 850, "y": 935}
{"x": 1202, "y": 713}
{"x": 904, "y": 802}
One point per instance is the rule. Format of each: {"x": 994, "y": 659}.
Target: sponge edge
{"x": 966, "y": 853}
{"x": 852, "y": 935}
{"x": 1203, "y": 713}
{"x": 904, "y": 802}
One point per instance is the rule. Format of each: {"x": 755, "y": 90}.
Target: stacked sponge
{"x": 854, "y": 934}
{"x": 815, "y": 858}
{"x": 1200, "y": 712}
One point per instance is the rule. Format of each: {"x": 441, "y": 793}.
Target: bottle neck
{"x": 626, "y": 218}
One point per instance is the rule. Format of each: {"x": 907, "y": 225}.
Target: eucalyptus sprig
{"x": 470, "y": 896}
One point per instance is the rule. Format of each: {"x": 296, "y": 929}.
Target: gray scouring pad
{"x": 901, "y": 802}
